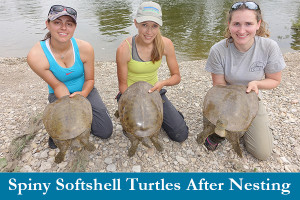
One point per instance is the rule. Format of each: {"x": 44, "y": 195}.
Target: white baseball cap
{"x": 149, "y": 11}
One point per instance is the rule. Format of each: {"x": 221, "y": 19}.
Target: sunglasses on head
{"x": 248, "y": 4}
{"x": 60, "y": 8}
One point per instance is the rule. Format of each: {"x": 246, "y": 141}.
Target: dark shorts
{"x": 173, "y": 123}
{"x": 101, "y": 125}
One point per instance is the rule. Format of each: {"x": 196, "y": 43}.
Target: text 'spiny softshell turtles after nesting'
{"x": 141, "y": 114}
{"x": 228, "y": 111}
{"x": 68, "y": 121}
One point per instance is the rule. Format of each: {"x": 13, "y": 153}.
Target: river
{"x": 193, "y": 25}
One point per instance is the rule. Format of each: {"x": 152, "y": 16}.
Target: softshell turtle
{"x": 228, "y": 111}
{"x": 68, "y": 121}
{"x": 141, "y": 115}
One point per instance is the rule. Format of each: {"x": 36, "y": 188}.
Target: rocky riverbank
{"x": 24, "y": 96}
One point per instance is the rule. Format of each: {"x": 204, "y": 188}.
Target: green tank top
{"x": 142, "y": 71}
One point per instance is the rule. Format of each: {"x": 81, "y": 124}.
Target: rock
{"x": 45, "y": 166}
{"x": 284, "y": 160}
{"x": 297, "y": 150}
{"x": 166, "y": 140}
{"x": 181, "y": 160}
{"x": 123, "y": 144}
{"x": 44, "y": 154}
{"x": 136, "y": 168}
{"x": 26, "y": 168}
{"x": 150, "y": 152}
{"x": 125, "y": 164}
{"x": 52, "y": 153}
{"x": 291, "y": 168}
{"x": 111, "y": 168}
{"x": 295, "y": 101}
{"x": 108, "y": 161}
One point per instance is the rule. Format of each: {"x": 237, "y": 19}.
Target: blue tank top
{"x": 72, "y": 77}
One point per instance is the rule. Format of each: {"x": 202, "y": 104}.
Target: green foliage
{"x": 296, "y": 33}
{"x": 3, "y": 163}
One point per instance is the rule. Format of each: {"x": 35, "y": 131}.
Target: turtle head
{"x": 221, "y": 127}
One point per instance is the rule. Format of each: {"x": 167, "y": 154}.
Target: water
{"x": 193, "y": 27}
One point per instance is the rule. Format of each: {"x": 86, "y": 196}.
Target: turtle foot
{"x": 158, "y": 146}
{"x": 238, "y": 150}
{"x": 90, "y": 147}
{"x": 131, "y": 151}
{"x": 200, "y": 138}
{"x": 234, "y": 139}
{"x": 59, "y": 157}
{"x": 145, "y": 144}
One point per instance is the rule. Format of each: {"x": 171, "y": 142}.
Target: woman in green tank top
{"x": 139, "y": 57}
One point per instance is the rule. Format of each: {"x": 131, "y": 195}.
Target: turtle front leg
{"x": 63, "y": 147}
{"x": 234, "y": 139}
{"x": 155, "y": 142}
{"x": 208, "y": 129}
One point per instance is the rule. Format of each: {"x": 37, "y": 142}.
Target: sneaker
{"x": 51, "y": 143}
{"x": 211, "y": 146}
{"x": 124, "y": 133}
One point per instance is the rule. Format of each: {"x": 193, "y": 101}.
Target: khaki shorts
{"x": 259, "y": 139}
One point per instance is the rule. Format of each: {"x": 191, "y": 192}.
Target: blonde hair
{"x": 158, "y": 48}
{"x": 262, "y": 31}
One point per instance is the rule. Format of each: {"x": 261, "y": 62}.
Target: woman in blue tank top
{"x": 67, "y": 66}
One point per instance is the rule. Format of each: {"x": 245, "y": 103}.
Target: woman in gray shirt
{"x": 247, "y": 57}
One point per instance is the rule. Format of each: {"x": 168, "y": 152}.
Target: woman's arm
{"x": 38, "y": 62}
{"x": 122, "y": 58}
{"x": 172, "y": 63}
{"x": 271, "y": 81}
{"x": 88, "y": 59}
{"x": 218, "y": 79}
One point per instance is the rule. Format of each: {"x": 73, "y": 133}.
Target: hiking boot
{"x": 51, "y": 143}
{"x": 210, "y": 145}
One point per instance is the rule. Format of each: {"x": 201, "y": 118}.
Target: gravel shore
{"x": 24, "y": 95}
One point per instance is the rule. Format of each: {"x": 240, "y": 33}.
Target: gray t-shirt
{"x": 240, "y": 68}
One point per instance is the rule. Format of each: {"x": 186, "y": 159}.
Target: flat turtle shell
{"x": 140, "y": 112}
{"x": 67, "y": 117}
{"x": 232, "y": 104}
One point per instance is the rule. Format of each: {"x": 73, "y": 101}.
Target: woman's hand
{"x": 253, "y": 85}
{"x": 158, "y": 86}
{"x": 271, "y": 81}
{"x": 73, "y": 94}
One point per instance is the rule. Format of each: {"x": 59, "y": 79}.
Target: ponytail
{"x": 48, "y": 35}
{"x": 158, "y": 48}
